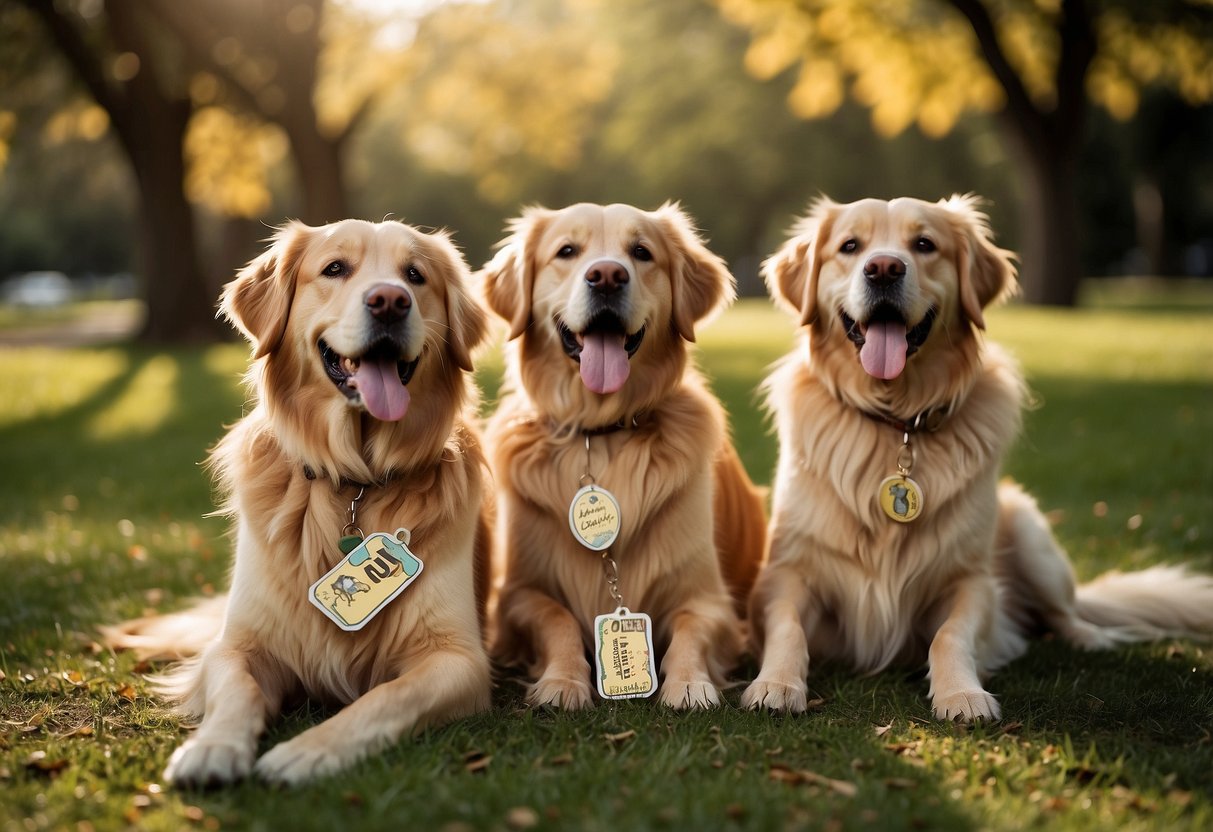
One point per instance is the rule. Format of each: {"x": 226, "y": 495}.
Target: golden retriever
{"x": 362, "y": 335}
{"x": 602, "y": 302}
{"x": 894, "y": 382}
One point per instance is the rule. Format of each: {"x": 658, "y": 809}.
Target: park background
{"x": 148, "y": 147}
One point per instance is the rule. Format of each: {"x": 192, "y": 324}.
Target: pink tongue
{"x": 884, "y": 349}
{"x": 383, "y": 395}
{"x": 604, "y": 362}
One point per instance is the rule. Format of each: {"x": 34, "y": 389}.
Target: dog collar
{"x": 623, "y": 423}
{"x": 311, "y": 474}
{"x": 929, "y": 420}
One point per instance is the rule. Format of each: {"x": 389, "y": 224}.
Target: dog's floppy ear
{"x": 466, "y": 321}
{"x": 258, "y": 301}
{"x": 986, "y": 272}
{"x": 508, "y": 280}
{"x": 702, "y": 282}
{"x": 791, "y": 273}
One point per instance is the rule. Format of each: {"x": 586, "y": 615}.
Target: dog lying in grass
{"x": 362, "y": 336}
{"x": 892, "y": 539}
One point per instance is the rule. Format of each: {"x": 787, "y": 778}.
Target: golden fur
{"x": 289, "y": 470}
{"x": 668, "y": 463}
{"x": 962, "y": 585}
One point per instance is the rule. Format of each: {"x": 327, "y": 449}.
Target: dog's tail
{"x": 177, "y": 635}
{"x": 1159, "y": 602}
{"x": 1115, "y": 608}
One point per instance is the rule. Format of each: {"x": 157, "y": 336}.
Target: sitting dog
{"x": 602, "y": 302}
{"x": 895, "y": 393}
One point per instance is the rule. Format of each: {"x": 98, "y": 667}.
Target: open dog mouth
{"x": 885, "y": 341}
{"x": 603, "y": 350}
{"x": 378, "y": 378}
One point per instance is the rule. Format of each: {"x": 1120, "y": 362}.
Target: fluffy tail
{"x": 174, "y": 636}
{"x": 1159, "y": 602}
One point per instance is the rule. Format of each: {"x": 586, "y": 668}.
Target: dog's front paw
{"x": 299, "y": 761}
{"x": 201, "y": 762}
{"x": 791, "y": 697}
{"x": 685, "y": 695}
{"x": 966, "y": 706}
{"x": 560, "y": 692}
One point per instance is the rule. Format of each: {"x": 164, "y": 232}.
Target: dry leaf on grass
{"x": 39, "y": 763}
{"x": 474, "y": 761}
{"x": 521, "y": 817}
{"x": 623, "y": 736}
{"x": 783, "y": 774}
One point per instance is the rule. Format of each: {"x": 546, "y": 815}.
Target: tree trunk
{"x": 178, "y": 306}
{"x": 1050, "y": 266}
{"x": 151, "y": 126}
{"x": 319, "y": 172}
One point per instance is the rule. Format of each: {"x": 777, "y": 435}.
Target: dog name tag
{"x": 594, "y": 517}
{"x": 366, "y": 580}
{"x": 623, "y": 651}
{"x": 900, "y": 498}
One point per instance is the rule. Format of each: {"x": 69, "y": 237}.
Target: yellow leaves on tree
{"x": 228, "y": 156}
{"x": 919, "y": 62}
{"x": 493, "y": 88}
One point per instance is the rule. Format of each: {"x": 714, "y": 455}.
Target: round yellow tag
{"x": 594, "y": 517}
{"x": 900, "y": 498}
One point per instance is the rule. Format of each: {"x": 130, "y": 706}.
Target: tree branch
{"x": 1019, "y": 101}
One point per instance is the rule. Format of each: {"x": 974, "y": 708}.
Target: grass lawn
{"x": 102, "y": 515}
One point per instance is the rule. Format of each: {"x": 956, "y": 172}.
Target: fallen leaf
{"x": 126, "y": 692}
{"x": 82, "y": 731}
{"x": 142, "y": 666}
{"x": 475, "y": 761}
{"x": 881, "y": 730}
{"x": 521, "y": 817}
{"x": 193, "y": 813}
{"x": 561, "y": 759}
{"x": 623, "y": 736}
{"x": 783, "y": 774}
{"x": 39, "y": 763}
{"x": 73, "y": 677}
{"x": 815, "y": 704}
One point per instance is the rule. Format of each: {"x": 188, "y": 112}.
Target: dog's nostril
{"x": 387, "y": 303}
{"x": 606, "y": 276}
{"x": 884, "y": 268}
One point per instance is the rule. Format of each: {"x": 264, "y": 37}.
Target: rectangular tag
{"x": 623, "y": 655}
{"x": 365, "y": 581}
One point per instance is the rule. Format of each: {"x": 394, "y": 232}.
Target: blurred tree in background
{"x": 458, "y": 114}
{"x": 1032, "y": 63}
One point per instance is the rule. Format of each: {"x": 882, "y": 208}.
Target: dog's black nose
{"x": 387, "y": 303}
{"x": 606, "y": 276}
{"x": 884, "y": 269}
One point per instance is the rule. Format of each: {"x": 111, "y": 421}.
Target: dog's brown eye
{"x": 334, "y": 269}
{"x": 924, "y": 245}
{"x": 414, "y": 276}
{"x": 567, "y": 251}
{"x": 850, "y": 246}
{"x": 641, "y": 253}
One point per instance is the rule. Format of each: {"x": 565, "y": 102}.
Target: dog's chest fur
{"x": 878, "y": 578}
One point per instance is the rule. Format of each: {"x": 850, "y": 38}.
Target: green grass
{"x": 102, "y": 515}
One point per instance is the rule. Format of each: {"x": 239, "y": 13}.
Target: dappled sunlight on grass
{"x": 42, "y": 383}
{"x": 144, "y": 405}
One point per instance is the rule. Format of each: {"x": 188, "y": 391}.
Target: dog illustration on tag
{"x": 366, "y": 580}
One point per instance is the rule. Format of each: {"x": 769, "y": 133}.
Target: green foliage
{"x": 102, "y": 515}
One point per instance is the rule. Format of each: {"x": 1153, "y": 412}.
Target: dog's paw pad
{"x": 200, "y": 763}
{"x": 967, "y": 706}
{"x": 560, "y": 692}
{"x": 776, "y": 696}
{"x": 684, "y": 696}
{"x": 293, "y": 762}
